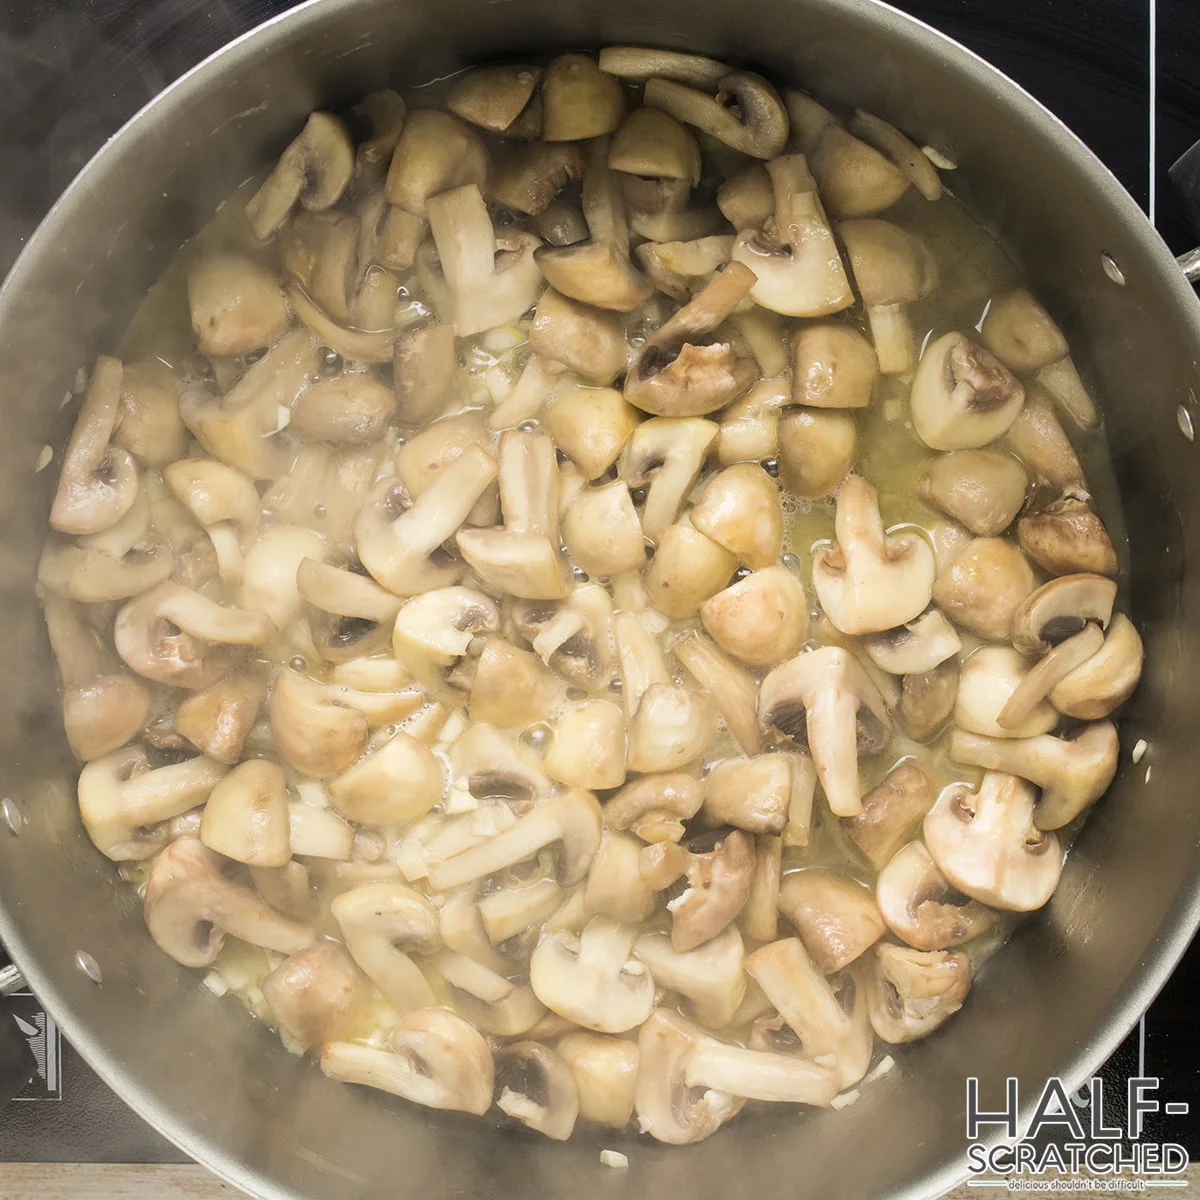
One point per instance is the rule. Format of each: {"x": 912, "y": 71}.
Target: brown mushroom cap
{"x": 1067, "y": 537}
{"x": 984, "y": 586}
{"x": 495, "y": 96}
{"x": 892, "y": 813}
{"x": 716, "y": 889}
{"x": 919, "y": 905}
{"x": 981, "y": 488}
{"x": 836, "y": 916}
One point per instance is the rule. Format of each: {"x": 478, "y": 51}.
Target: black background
{"x": 71, "y": 72}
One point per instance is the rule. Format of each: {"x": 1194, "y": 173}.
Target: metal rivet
{"x": 791, "y": 561}
{"x": 89, "y": 966}
{"x": 1112, "y": 270}
{"x": 12, "y": 816}
{"x": 528, "y": 426}
{"x": 1184, "y": 418}
{"x": 298, "y": 663}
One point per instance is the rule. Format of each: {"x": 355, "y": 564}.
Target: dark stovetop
{"x": 73, "y": 70}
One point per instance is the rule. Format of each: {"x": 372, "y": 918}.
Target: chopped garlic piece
{"x": 216, "y": 983}
{"x": 939, "y": 160}
{"x": 880, "y": 1069}
{"x": 613, "y": 1158}
{"x": 460, "y": 800}
{"x": 845, "y": 1099}
{"x": 1139, "y": 750}
{"x": 44, "y": 458}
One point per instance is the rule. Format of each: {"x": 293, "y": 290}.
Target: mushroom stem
{"x": 892, "y": 332}
{"x": 732, "y": 688}
{"x": 1041, "y": 678}
{"x": 707, "y": 308}
{"x": 758, "y": 1075}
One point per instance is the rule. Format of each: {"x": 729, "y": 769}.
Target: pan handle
{"x": 17, "y": 1064}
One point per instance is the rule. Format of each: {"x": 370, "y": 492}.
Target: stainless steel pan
{"x": 1061, "y": 995}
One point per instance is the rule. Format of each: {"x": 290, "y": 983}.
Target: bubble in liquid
{"x": 771, "y": 466}
{"x": 298, "y": 662}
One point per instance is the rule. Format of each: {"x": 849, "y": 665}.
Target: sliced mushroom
{"x": 761, "y": 619}
{"x": 433, "y": 631}
{"x": 579, "y": 100}
{"x": 313, "y": 729}
{"x": 892, "y": 268}
{"x": 915, "y": 648}
{"x": 436, "y": 1059}
{"x": 682, "y": 372}
{"x": 667, "y": 454}
{"x": 533, "y": 176}
{"x": 615, "y": 885}
{"x": 352, "y": 615}
{"x": 963, "y": 397}
{"x": 401, "y": 548}
{"x": 927, "y": 700}
{"x": 393, "y": 785}
{"x": 681, "y": 269}
{"x": 148, "y": 422}
{"x": 731, "y": 686}
{"x": 1038, "y": 437}
{"x": 750, "y": 793}
{"x": 919, "y": 905}
{"x": 687, "y": 568}
{"x": 424, "y": 367}
{"x": 715, "y": 890}
{"x": 382, "y": 924}
{"x": 124, "y": 804}
{"x": 798, "y": 269}
{"x": 746, "y": 114}
{"x": 740, "y": 509}
{"x": 591, "y": 426}
{"x": 1061, "y": 382}
{"x": 665, "y": 1100}
{"x": 351, "y": 408}
{"x": 1021, "y": 333}
{"x": 493, "y": 97}
{"x": 426, "y": 454}
{"x": 672, "y": 727}
{"x": 981, "y": 488}
{"x": 1067, "y": 537}
{"x": 824, "y": 698}
{"x": 317, "y": 994}
{"x": 320, "y": 252}
{"x": 588, "y": 750}
{"x": 1073, "y": 771}
{"x": 398, "y": 238}
{"x": 511, "y": 688}
{"x": 984, "y": 586}
{"x": 816, "y": 450}
{"x": 435, "y": 153}
{"x": 572, "y": 636}
{"x": 833, "y": 366}
{"x": 642, "y": 62}
{"x": 912, "y": 992}
{"x": 855, "y": 179}
{"x": 98, "y": 483}
{"x": 836, "y": 916}
{"x": 760, "y": 917}
{"x": 709, "y": 977}
{"x": 1060, "y": 609}
{"x": 493, "y": 765}
{"x": 990, "y": 677}
{"x": 570, "y": 820}
{"x": 236, "y": 304}
{"x": 871, "y": 581}
{"x": 1107, "y": 679}
{"x": 655, "y": 806}
{"x": 315, "y": 170}
{"x": 589, "y": 341}
{"x": 488, "y": 281}
{"x": 602, "y": 531}
{"x": 987, "y": 845}
{"x": 605, "y": 1071}
{"x": 892, "y": 813}
{"x": 537, "y": 1088}
{"x": 911, "y": 160}
{"x": 246, "y": 815}
{"x": 747, "y": 200}
{"x": 191, "y": 906}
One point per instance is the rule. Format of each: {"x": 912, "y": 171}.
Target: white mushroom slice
{"x": 572, "y": 637}
{"x": 963, "y": 397}
{"x": 493, "y": 97}
{"x": 817, "y": 448}
{"x": 871, "y": 581}
{"x": 833, "y": 366}
{"x": 761, "y": 619}
{"x": 746, "y": 113}
{"x": 799, "y": 270}
{"x": 91, "y": 575}
{"x": 591, "y": 979}
{"x": 682, "y": 269}
{"x": 826, "y": 698}
{"x": 570, "y": 820}
{"x": 511, "y": 688}
{"x": 615, "y": 885}
{"x": 1067, "y": 537}
{"x": 740, "y": 509}
{"x": 488, "y": 282}
{"x": 655, "y": 806}
{"x": 190, "y": 907}
{"x": 1107, "y": 679}
{"x": 149, "y": 425}
{"x": 124, "y": 804}
{"x": 236, "y": 304}
{"x": 424, "y": 366}
{"x": 797, "y": 831}
{"x": 591, "y": 426}
{"x": 746, "y": 199}
{"x": 892, "y": 813}
{"x": 987, "y": 845}
{"x": 1040, "y": 440}
{"x": 524, "y": 564}
{"x": 1054, "y": 665}
{"x": 224, "y": 501}
{"x": 667, "y": 1106}
{"x": 516, "y": 910}
{"x": 759, "y": 1075}
{"x": 493, "y": 765}
{"x": 434, "y": 154}
{"x": 537, "y": 1088}
{"x": 605, "y": 1074}
{"x": 660, "y": 864}
{"x": 673, "y": 726}
{"x": 1060, "y": 609}
{"x": 665, "y": 453}
{"x": 437, "y": 1059}
{"x": 532, "y": 177}
{"x": 588, "y": 750}
{"x": 831, "y": 1025}
{"x": 1021, "y": 333}
{"x": 715, "y": 891}
{"x": 398, "y": 547}
{"x": 836, "y": 916}
{"x": 382, "y": 924}
{"x": 855, "y": 179}
{"x": 983, "y": 489}
{"x": 733, "y": 689}
{"x": 317, "y": 995}
{"x": 1073, "y": 771}
{"x": 920, "y": 906}
{"x": 464, "y": 974}
{"x": 909, "y": 157}
{"x": 98, "y": 483}
{"x": 915, "y": 648}
{"x": 433, "y": 632}
{"x": 984, "y": 586}
{"x": 393, "y": 785}
{"x": 750, "y": 793}
{"x": 579, "y": 100}
{"x": 687, "y": 568}
{"x": 643, "y": 62}
{"x": 586, "y": 340}
{"x": 314, "y": 170}
{"x": 314, "y": 729}
{"x": 989, "y": 678}
{"x": 749, "y": 429}
{"x": 318, "y": 832}
{"x": 1062, "y": 382}
{"x": 642, "y": 662}
{"x": 462, "y": 928}
{"x": 246, "y": 815}
{"x": 760, "y": 917}
{"x": 103, "y": 708}
{"x": 352, "y": 615}
{"x": 602, "y": 531}
{"x": 683, "y": 372}
{"x": 912, "y": 992}
{"x": 709, "y": 977}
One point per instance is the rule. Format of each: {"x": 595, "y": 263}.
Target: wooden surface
{"x": 91, "y": 1181}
